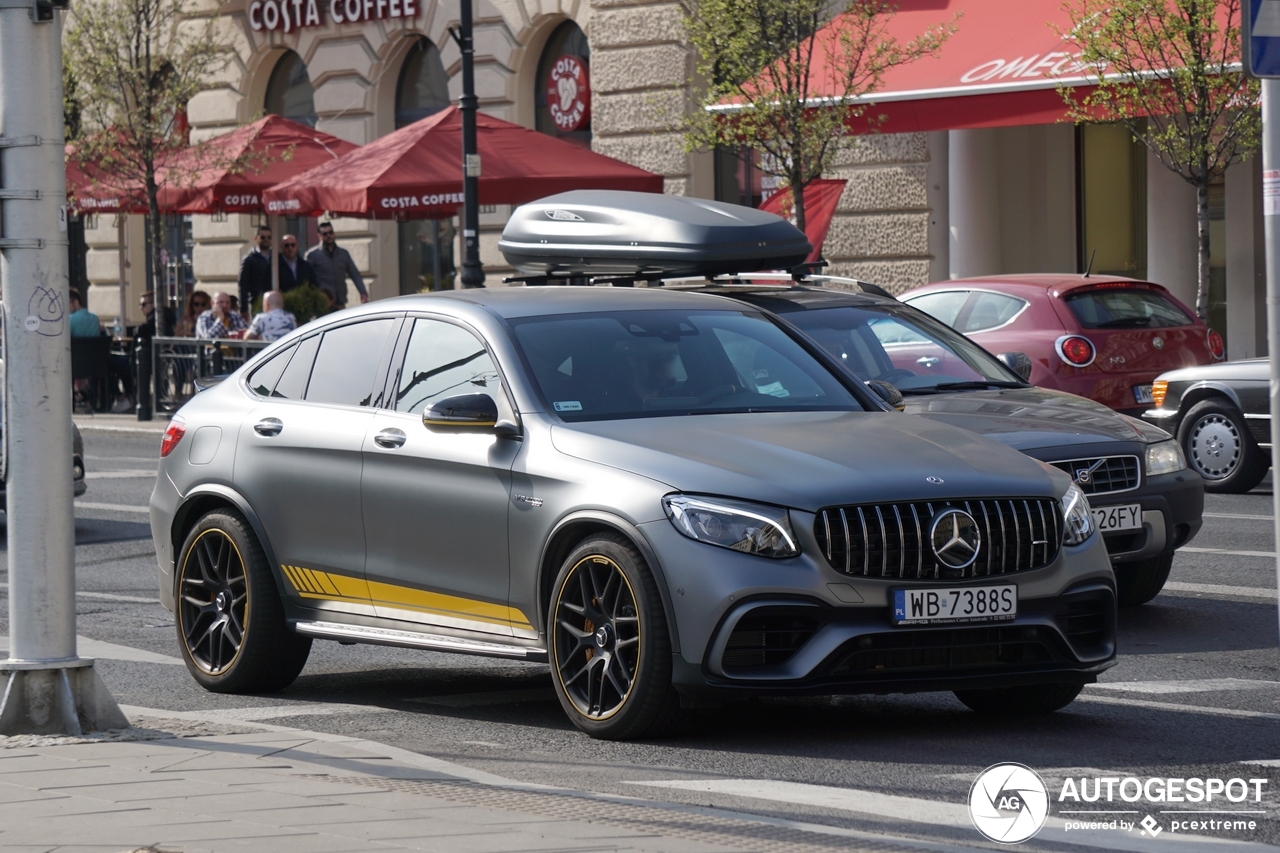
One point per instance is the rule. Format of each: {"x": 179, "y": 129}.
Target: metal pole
{"x": 45, "y": 680}
{"x": 472, "y": 271}
{"x": 1271, "y": 224}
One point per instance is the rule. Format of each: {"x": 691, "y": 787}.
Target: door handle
{"x": 928, "y": 361}
{"x": 268, "y": 426}
{"x": 390, "y": 438}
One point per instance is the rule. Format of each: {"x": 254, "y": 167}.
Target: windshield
{"x": 633, "y": 364}
{"x": 902, "y": 346}
{"x": 1126, "y": 308}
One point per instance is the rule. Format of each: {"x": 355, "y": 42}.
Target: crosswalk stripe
{"x": 145, "y": 510}
{"x": 1227, "y": 552}
{"x": 1222, "y": 590}
{"x": 1201, "y": 685}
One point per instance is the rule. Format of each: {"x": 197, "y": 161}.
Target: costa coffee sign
{"x": 289, "y": 15}
{"x": 569, "y": 94}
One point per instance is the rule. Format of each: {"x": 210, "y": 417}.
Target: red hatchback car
{"x": 1103, "y": 337}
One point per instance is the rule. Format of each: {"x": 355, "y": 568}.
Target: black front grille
{"x": 952, "y": 649}
{"x": 893, "y": 540}
{"x": 765, "y": 638}
{"x": 1111, "y": 474}
{"x": 1087, "y": 621}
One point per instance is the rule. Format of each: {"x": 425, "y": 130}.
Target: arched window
{"x": 426, "y": 245}
{"x": 423, "y": 87}
{"x": 290, "y": 93}
{"x": 570, "y": 117}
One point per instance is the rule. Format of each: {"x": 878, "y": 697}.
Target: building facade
{"x": 917, "y": 207}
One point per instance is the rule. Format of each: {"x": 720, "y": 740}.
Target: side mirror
{"x": 888, "y": 392}
{"x": 1018, "y": 362}
{"x": 465, "y": 413}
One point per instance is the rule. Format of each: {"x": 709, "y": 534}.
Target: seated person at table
{"x": 273, "y": 323}
{"x": 220, "y": 321}
{"x": 197, "y": 303}
{"x": 83, "y": 323}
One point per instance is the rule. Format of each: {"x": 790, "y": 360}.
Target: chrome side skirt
{"x": 415, "y": 640}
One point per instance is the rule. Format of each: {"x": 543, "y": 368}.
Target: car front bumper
{"x": 748, "y": 625}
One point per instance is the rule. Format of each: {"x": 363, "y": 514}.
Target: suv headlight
{"x": 1076, "y": 517}
{"x": 1165, "y": 457}
{"x": 747, "y": 527}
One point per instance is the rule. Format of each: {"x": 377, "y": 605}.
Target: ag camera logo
{"x": 1009, "y": 803}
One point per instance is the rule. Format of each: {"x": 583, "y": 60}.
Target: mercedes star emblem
{"x": 955, "y": 538}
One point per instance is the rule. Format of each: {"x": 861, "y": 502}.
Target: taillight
{"x": 172, "y": 435}
{"x": 1075, "y": 350}
{"x": 1158, "y": 389}
{"x": 1216, "y": 346}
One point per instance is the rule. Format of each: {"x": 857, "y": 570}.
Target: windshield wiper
{"x": 963, "y": 386}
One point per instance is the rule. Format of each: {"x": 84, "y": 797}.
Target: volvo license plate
{"x": 938, "y": 605}
{"x": 1125, "y": 517}
{"x": 1142, "y": 394}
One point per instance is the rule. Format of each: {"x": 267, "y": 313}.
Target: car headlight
{"x": 747, "y": 527}
{"x": 1165, "y": 457}
{"x": 1076, "y": 517}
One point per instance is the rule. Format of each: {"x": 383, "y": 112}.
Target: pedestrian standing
{"x": 273, "y": 323}
{"x": 255, "y": 269}
{"x": 294, "y": 269}
{"x": 333, "y": 265}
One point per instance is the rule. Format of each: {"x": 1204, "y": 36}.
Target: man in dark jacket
{"x": 255, "y": 270}
{"x": 333, "y": 265}
{"x": 294, "y": 270}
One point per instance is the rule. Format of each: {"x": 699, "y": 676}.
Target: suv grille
{"x": 1111, "y": 474}
{"x": 892, "y": 540}
{"x": 953, "y": 649}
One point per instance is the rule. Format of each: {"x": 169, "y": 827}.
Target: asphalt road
{"x": 1196, "y": 695}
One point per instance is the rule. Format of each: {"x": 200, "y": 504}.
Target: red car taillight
{"x": 172, "y": 435}
{"x": 1075, "y": 350}
{"x": 1216, "y": 346}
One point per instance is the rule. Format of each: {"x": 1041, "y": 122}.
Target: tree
{"x": 767, "y": 58}
{"x": 135, "y": 65}
{"x": 1170, "y": 71}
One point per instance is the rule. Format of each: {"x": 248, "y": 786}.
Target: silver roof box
{"x": 630, "y": 235}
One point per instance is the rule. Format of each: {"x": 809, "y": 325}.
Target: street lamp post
{"x": 472, "y": 271}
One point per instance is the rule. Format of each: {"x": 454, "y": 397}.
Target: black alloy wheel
{"x": 610, "y": 652}
{"x": 1140, "y": 581}
{"x": 230, "y": 622}
{"x": 1219, "y": 448}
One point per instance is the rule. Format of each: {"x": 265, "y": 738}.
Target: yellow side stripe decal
{"x": 310, "y": 583}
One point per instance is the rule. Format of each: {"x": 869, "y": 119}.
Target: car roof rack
{"x": 618, "y": 237}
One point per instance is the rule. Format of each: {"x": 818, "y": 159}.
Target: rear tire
{"x": 1219, "y": 447}
{"x": 1140, "y": 581}
{"x": 609, "y": 647}
{"x": 1020, "y": 701}
{"x": 231, "y": 625}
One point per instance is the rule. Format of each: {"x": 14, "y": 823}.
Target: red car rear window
{"x": 1126, "y": 309}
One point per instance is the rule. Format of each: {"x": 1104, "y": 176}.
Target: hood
{"x": 1032, "y": 418}
{"x": 808, "y": 460}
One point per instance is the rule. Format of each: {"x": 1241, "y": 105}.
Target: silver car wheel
{"x": 596, "y": 637}
{"x": 1216, "y": 447}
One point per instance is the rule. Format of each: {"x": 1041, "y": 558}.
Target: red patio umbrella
{"x": 247, "y": 160}
{"x": 90, "y": 190}
{"x": 416, "y": 172}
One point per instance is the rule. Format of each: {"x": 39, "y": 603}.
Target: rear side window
{"x": 989, "y": 310}
{"x": 1126, "y": 308}
{"x": 347, "y": 363}
{"x": 944, "y": 306}
{"x": 293, "y": 382}
{"x": 264, "y": 378}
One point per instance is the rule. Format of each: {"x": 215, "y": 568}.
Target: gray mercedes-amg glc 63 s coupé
{"x": 670, "y": 497}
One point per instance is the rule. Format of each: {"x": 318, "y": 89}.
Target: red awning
{"x": 1002, "y": 67}
{"x": 820, "y": 200}
{"x": 90, "y": 190}
{"x": 416, "y": 172}
{"x": 246, "y": 161}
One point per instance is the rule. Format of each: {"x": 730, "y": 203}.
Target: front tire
{"x": 609, "y": 647}
{"x": 1140, "y": 581}
{"x": 1021, "y": 701}
{"x": 231, "y": 625}
{"x": 1220, "y": 449}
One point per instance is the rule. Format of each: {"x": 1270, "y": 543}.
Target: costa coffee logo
{"x": 569, "y": 94}
{"x": 289, "y": 15}
{"x": 247, "y": 199}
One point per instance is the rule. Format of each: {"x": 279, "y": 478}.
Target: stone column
{"x": 1246, "y": 262}
{"x": 1171, "y": 231}
{"x": 974, "y": 203}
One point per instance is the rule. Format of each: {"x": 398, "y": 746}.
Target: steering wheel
{"x": 895, "y": 375}
{"x": 716, "y": 393}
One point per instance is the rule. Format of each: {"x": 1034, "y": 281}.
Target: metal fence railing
{"x": 176, "y": 364}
